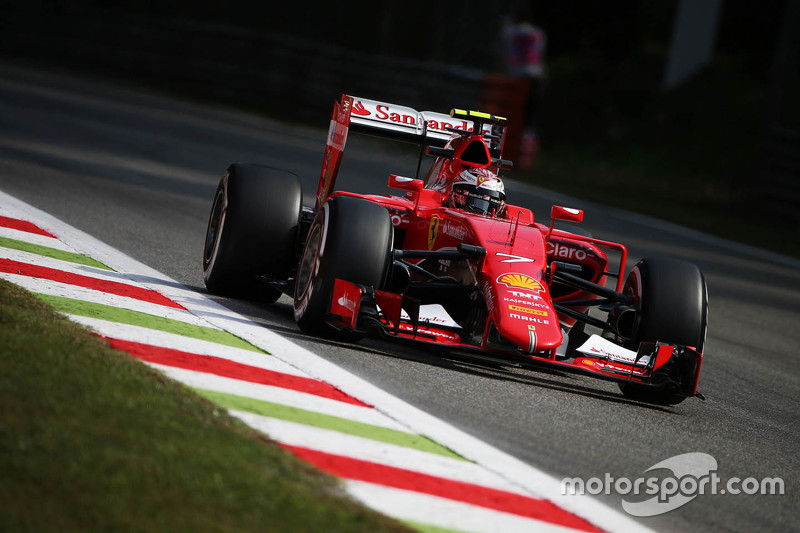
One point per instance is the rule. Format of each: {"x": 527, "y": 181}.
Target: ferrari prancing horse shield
{"x": 433, "y": 230}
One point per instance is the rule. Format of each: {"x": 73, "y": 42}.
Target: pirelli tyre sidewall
{"x": 672, "y": 307}
{"x": 350, "y": 239}
{"x": 252, "y": 231}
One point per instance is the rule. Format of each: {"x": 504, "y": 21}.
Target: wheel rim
{"x": 214, "y": 227}
{"x": 308, "y": 264}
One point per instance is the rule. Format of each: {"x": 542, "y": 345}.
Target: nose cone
{"x": 524, "y": 314}
{"x": 512, "y": 281}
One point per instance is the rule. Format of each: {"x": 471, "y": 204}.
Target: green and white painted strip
{"x": 332, "y": 427}
{"x": 127, "y": 332}
{"x": 50, "y": 252}
{"x": 83, "y": 294}
{"x": 137, "y": 318}
{"x": 387, "y": 451}
{"x": 284, "y": 403}
{"x": 27, "y": 237}
{"x": 70, "y": 262}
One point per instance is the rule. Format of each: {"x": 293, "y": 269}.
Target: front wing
{"x": 670, "y": 368}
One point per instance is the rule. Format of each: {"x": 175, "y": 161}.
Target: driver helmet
{"x": 479, "y": 191}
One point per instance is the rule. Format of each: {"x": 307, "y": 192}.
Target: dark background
{"x": 608, "y": 130}
{"x": 608, "y": 62}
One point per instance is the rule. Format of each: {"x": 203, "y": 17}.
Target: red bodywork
{"x": 514, "y": 281}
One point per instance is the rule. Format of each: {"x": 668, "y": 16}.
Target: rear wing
{"x": 395, "y": 121}
{"x": 403, "y": 122}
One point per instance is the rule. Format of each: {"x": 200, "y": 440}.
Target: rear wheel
{"x": 350, "y": 239}
{"x": 252, "y": 231}
{"x": 672, "y": 308}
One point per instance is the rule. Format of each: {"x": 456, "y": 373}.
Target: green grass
{"x": 92, "y": 439}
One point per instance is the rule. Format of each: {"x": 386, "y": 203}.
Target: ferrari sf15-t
{"x": 447, "y": 262}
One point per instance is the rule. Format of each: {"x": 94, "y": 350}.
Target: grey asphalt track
{"x": 138, "y": 171}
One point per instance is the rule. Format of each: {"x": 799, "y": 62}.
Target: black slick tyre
{"x": 252, "y": 231}
{"x": 350, "y": 239}
{"x": 672, "y": 308}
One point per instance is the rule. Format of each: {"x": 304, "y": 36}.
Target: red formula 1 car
{"x": 449, "y": 263}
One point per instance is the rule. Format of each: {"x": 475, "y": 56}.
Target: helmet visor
{"x": 484, "y": 204}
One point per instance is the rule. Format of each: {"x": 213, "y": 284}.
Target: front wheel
{"x": 252, "y": 231}
{"x": 672, "y": 307}
{"x": 350, "y": 239}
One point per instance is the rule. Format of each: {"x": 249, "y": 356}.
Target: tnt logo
{"x": 524, "y": 295}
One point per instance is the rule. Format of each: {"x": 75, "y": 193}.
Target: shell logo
{"x": 520, "y": 281}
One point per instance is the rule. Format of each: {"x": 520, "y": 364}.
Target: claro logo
{"x": 562, "y": 251}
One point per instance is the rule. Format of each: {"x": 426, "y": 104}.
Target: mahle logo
{"x": 691, "y": 475}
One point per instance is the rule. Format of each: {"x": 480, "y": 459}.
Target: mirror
{"x": 406, "y": 184}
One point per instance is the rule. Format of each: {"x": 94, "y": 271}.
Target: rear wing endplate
{"x": 388, "y": 120}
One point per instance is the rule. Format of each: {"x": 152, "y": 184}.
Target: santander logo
{"x": 359, "y": 109}
{"x": 406, "y": 116}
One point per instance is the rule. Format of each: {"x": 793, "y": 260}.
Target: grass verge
{"x": 92, "y": 439}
